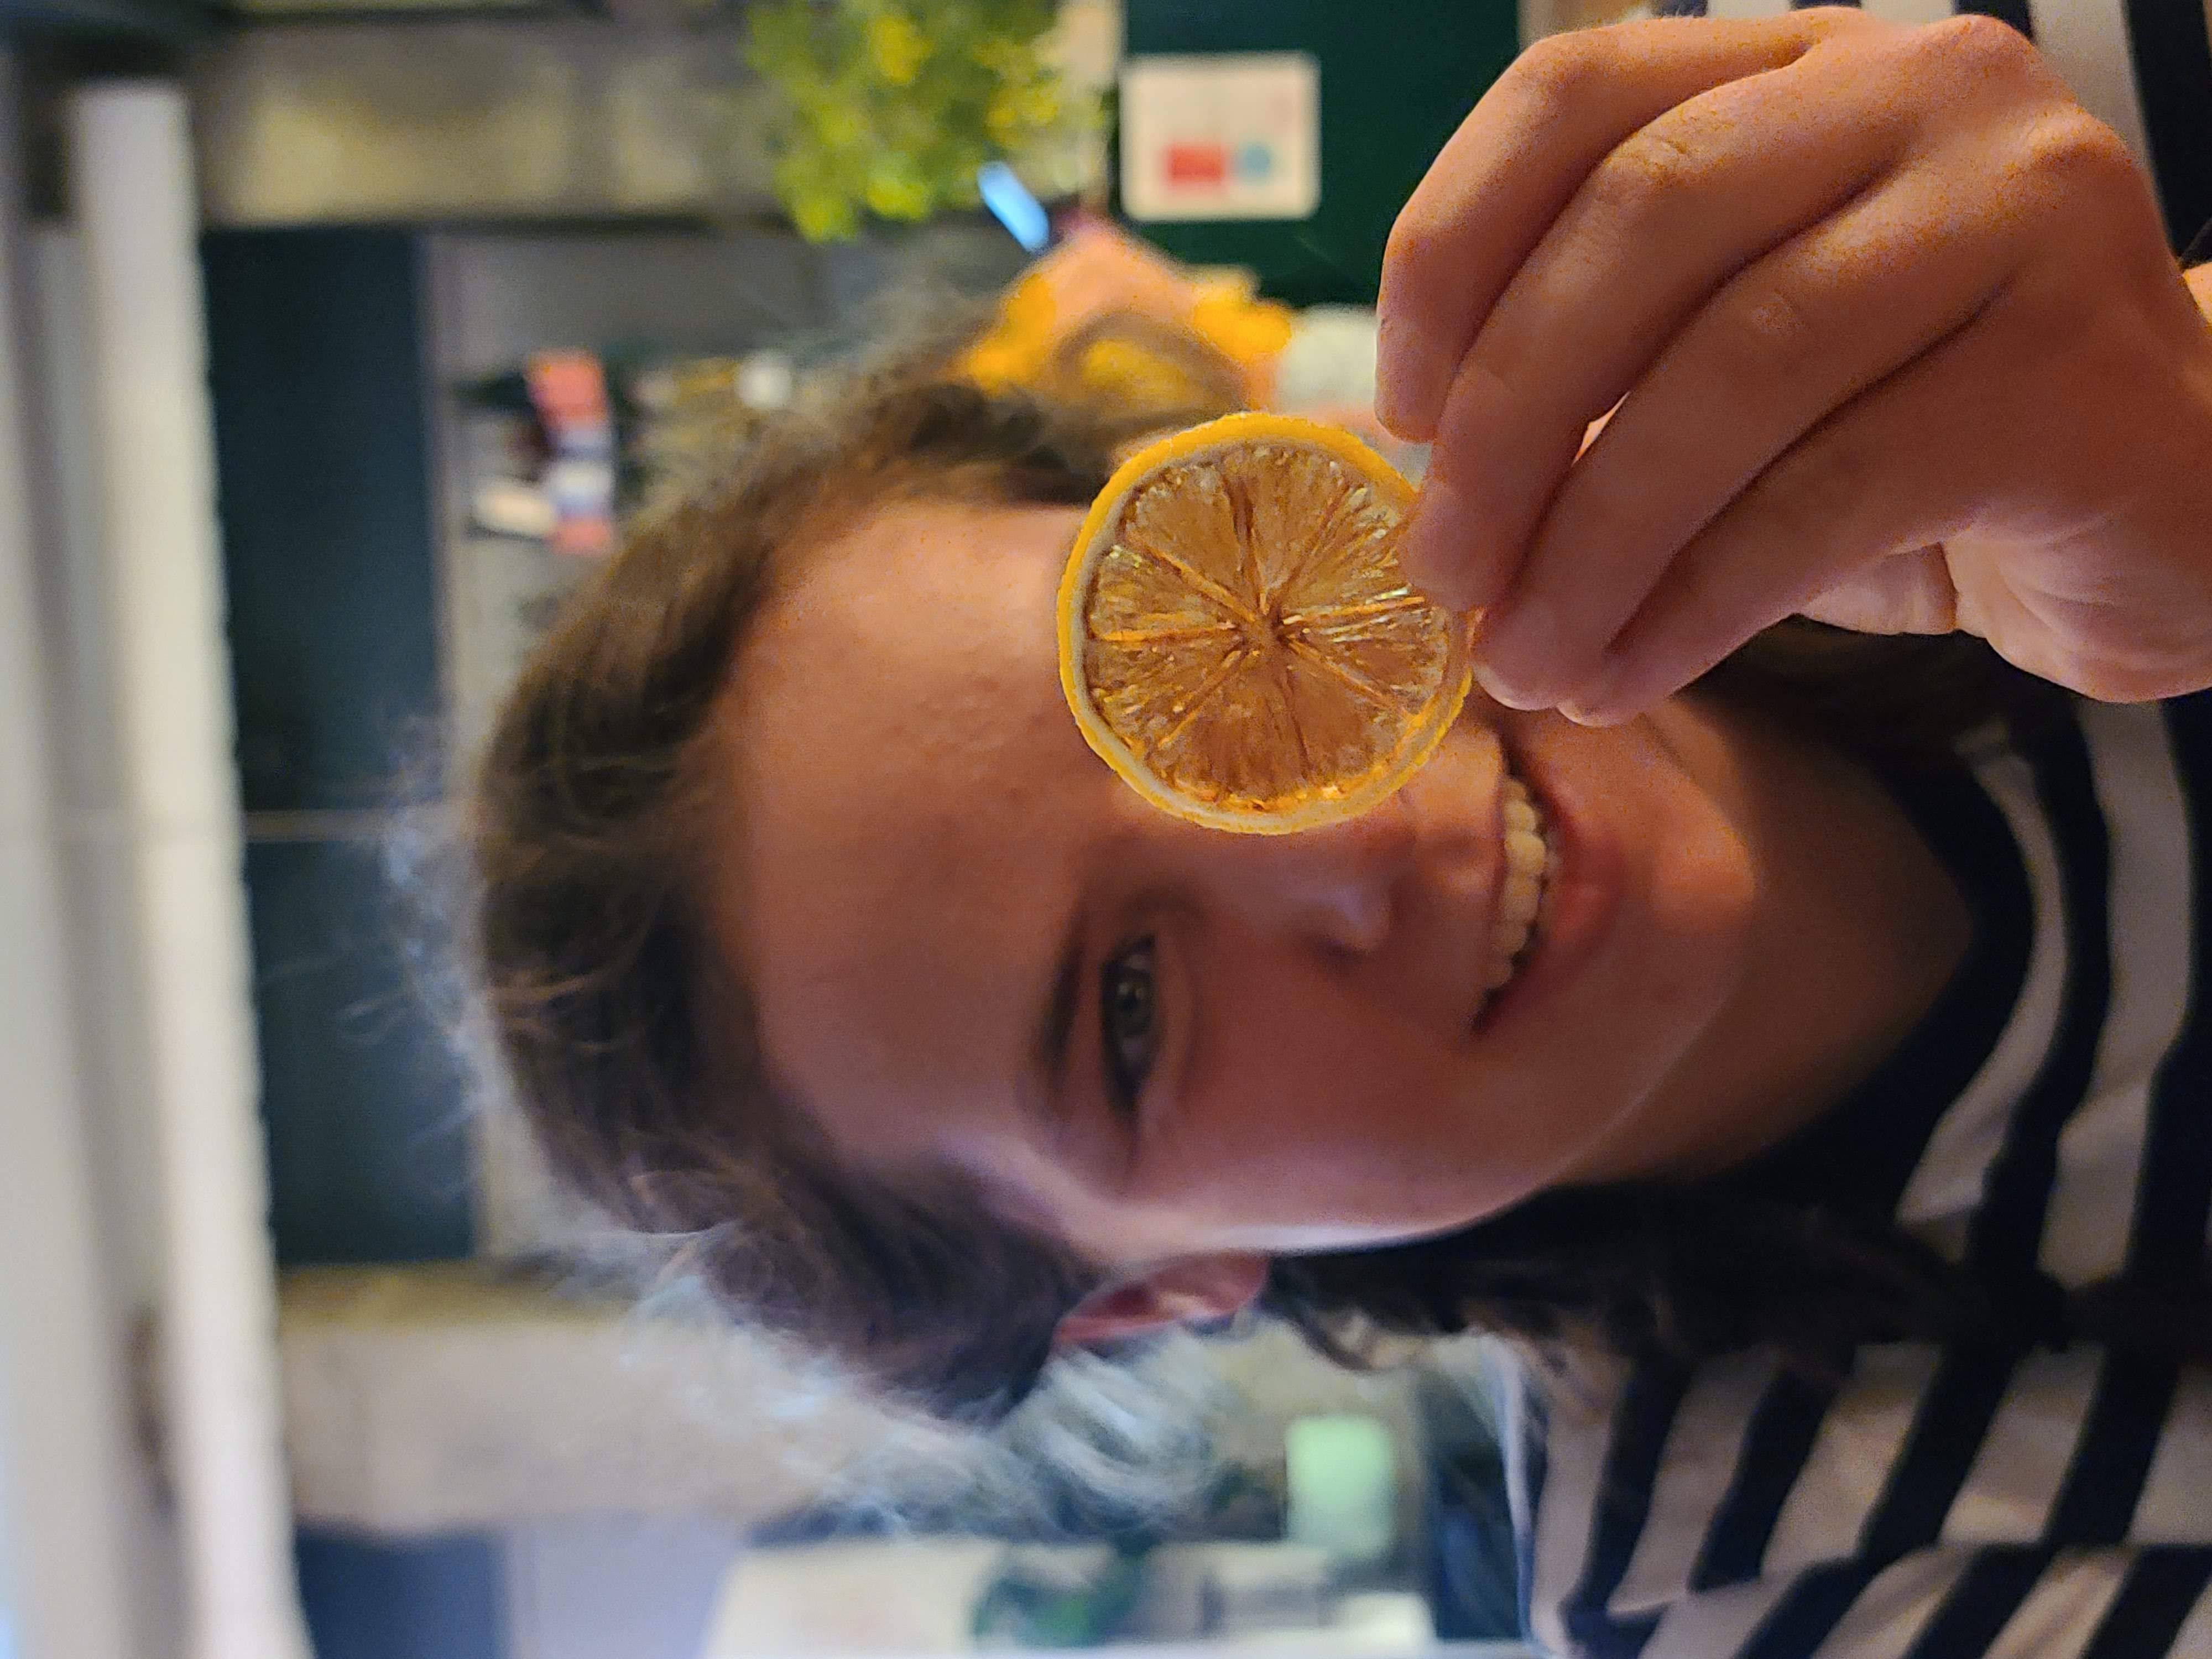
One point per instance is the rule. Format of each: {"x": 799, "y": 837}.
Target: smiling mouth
{"x": 1531, "y": 862}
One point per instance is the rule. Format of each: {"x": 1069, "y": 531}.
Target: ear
{"x": 1188, "y": 1291}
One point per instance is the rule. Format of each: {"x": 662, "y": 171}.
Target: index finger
{"x": 1518, "y": 159}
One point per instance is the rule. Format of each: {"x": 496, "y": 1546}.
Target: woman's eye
{"x": 1128, "y": 1019}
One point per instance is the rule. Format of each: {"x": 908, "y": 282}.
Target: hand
{"x": 1894, "y": 338}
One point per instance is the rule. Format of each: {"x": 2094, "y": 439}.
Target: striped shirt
{"x": 2143, "y": 67}
{"x": 2048, "y": 1116}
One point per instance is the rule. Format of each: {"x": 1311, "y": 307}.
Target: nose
{"x": 1336, "y": 885}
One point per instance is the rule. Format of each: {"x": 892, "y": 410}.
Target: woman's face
{"x": 971, "y": 945}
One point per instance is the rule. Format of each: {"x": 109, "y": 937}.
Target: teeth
{"x": 1529, "y": 864}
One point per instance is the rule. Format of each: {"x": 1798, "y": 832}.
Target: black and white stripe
{"x": 2053, "y": 1116}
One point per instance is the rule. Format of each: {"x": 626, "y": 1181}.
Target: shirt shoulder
{"x": 2066, "y": 1139}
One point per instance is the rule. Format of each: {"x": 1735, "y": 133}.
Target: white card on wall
{"x": 1236, "y": 136}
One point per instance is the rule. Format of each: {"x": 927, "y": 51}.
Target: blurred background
{"x": 336, "y": 338}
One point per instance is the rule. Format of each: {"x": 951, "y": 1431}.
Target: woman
{"x": 1839, "y": 1135}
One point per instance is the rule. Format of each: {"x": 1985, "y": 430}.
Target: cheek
{"x": 1701, "y": 898}
{"x": 1315, "y": 1114}
{"x": 1311, "y": 1107}
{"x": 1649, "y": 1008}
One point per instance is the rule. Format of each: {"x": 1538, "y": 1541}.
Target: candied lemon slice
{"x": 1236, "y": 639}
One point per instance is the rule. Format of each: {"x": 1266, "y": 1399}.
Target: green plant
{"x": 890, "y": 106}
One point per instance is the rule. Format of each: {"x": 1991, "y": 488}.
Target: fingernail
{"x": 1430, "y": 550}
{"x": 1595, "y": 701}
{"x": 1389, "y": 402}
{"x": 1494, "y": 688}
{"x": 1515, "y": 652}
{"x": 1502, "y": 690}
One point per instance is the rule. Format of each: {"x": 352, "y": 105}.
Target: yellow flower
{"x": 897, "y": 47}
{"x": 1016, "y": 111}
{"x": 897, "y": 189}
{"x": 824, "y": 216}
{"x": 839, "y": 128}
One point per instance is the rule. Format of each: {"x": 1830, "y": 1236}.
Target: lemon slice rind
{"x": 1328, "y": 802}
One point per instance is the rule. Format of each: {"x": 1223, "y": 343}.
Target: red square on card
{"x": 1198, "y": 164}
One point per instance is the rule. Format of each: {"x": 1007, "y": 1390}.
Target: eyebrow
{"x": 1054, "y": 1029}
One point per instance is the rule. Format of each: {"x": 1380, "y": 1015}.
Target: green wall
{"x": 1395, "y": 80}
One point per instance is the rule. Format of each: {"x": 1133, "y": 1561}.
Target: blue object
{"x": 1012, "y": 206}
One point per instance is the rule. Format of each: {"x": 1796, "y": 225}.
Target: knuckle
{"x": 1648, "y": 173}
{"x": 1767, "y": 335}
{"x": 2072, "y": 151}
{"x": 1423, "y": 248}
{"x": 1977, "y": 45}
{"x": 1824, "y": 21}
{"x": 1559, "y": 70}
{"x": 1411, "y": 243}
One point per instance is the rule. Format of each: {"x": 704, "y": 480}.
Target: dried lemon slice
{"x": 1236, "y": 639}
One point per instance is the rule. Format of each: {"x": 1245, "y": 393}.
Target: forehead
{"x": 904, "y": 769}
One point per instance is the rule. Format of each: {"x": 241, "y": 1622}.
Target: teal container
{"x": 1342, "y": 1480}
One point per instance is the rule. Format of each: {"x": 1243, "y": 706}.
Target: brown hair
{"x": 632, "y": 1056}
{"x": 629, "y": 1049}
